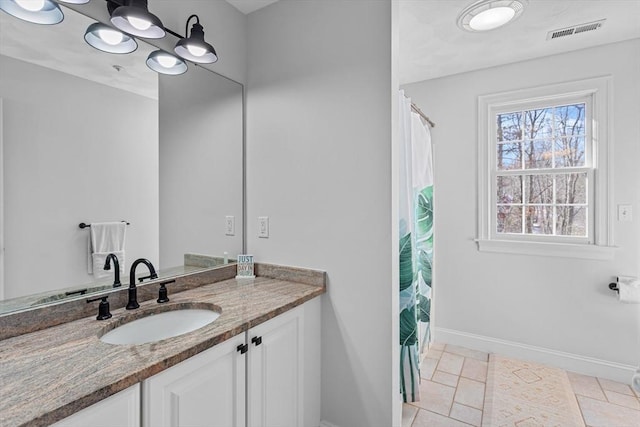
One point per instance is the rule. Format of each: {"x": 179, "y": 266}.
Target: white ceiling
{"x": 248, "y": 6}
{"x": 432, "y": 45}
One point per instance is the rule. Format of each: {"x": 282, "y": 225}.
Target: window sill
{"x": 566, "y": 250}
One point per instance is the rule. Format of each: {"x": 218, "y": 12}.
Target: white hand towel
{"x": 629, "y": 290}
{"x": 105, "y": 238}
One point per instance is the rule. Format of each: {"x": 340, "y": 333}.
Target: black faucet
{"x": 116, "y": 266}
{"x": 133, "y": 291}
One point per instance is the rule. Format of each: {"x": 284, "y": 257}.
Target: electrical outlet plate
{"x": 230, "y": 225}
{"x": 263, "y": 226}
{"x": 624, "y": 213}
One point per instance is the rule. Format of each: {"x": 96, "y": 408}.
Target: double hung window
{"x": 543, "y": 171}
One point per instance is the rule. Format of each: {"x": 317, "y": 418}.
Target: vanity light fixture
{"x": 165, "y": 63}
{"x": 133, "y": 17}
{"x": 485, "y": 15}
{"x": 44, "y": 12}
{"x": 108, "y": 39}
{"x": 193, "y": 47}
{"x": 75, "y": 1}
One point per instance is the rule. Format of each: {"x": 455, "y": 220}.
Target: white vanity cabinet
{"x": 207, "y": 389}
{"x": 267, "y": 377}
{"x": 274, "y": 381}
{"x": 120, "y": 410}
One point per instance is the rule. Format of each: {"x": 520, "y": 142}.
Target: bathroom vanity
{"x": 257, "y": 364}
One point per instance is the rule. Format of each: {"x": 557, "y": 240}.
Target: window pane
{"x": 509, "y": 126}
{"x": 571, "y": 188}
{"x": 569, "y": 120}
{"x": 537, "y": 154}
{"x": 509, "y": 219}
{"x": 509, "y": 189}
{"x": 538, "y": 220}
{"x": 538, "y": 123}
{"x": 538, "y": 189}
{"x": 571, "y": 221}
{"x": 509, "y": 156}
{"x": 569, "y": 152}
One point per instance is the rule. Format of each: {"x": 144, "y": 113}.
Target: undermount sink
{"x": 159, "y": 326}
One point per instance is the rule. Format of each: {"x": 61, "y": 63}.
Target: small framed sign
{"x": 245, "y": 267}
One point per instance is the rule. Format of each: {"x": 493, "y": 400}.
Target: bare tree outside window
{"x": 539, "y": 190}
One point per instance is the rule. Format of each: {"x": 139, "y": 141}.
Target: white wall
{"x": 557, "y": 304}
{"x": 319, "y": 165}
{"x": 225, "y": 27}
{"x": 65, "y": 162}
{"x": 200, "y": 164}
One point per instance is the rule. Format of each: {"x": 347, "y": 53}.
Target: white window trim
{"x": 602, "y": 247}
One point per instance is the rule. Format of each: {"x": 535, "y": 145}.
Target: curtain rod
{"x": 415, "y": 108}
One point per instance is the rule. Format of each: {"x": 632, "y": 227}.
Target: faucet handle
{"x": 162, "y": 292}
{"x": 151, "y": 276}
{"x": 103, "y": 307}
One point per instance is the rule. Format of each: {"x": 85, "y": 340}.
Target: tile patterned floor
{"x": 453, "y": 386}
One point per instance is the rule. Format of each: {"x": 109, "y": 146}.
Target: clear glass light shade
{"x": 138, "y": 21}
{"x": 45, "y": 12}
{"x": 486, "y": 15}
{"x": 108, "y": 39}
{"x": 166, "y": 63}
{"x": 74, "y": 1}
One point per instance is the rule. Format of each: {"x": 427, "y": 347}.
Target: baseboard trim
{"x": 324, "y": 423}
{"x": 571, "y": 362}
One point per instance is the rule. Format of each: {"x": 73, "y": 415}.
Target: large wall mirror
{"x": 88, "y": 136}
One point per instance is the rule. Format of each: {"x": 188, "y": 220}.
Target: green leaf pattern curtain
{"x": 416, "y": 245}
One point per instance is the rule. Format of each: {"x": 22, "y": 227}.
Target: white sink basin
{"x": 156, "y": 327}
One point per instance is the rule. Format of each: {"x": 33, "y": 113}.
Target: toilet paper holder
{"x": 614, "y": 285}
{"x": 627, "y": 288}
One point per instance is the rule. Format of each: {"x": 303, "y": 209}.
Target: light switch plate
{"x": 230, "y": 225}
{"x": 624, "y": 213}
{"x": 263, "y": 226}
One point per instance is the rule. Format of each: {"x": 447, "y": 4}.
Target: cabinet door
{"x": 207, "y": 389}
{"x": 120, "y": 410}
{"x": 274, "y": 387}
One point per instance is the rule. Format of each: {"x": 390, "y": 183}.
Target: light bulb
{"x": 110, "y": 37}
{"x": 139, "y": 24}
{"x": 196, "y": 50}
{"x": 167, "y": 61}
{"x": 492, "y": 18}
{"x": 31, "y": 5}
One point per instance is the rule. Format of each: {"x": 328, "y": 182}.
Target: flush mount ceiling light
{"x": 166, "y": 63}
{"x": 108, "y": 39}
{"x": 44, "y": 12}
{"x": 193, "y": 47}
{"x": 133, "y": 17}
{"x": 486, "y": 15}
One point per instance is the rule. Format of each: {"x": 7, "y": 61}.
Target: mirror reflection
{"x": 92, "y": 137}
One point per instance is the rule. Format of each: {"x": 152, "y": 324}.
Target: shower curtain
{"x": 416, "y": 245}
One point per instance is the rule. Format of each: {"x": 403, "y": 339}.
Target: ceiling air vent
{"x": 576, "y": 29}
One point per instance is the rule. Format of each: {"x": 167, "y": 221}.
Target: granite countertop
{"x": 50, "y": 374}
